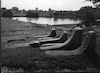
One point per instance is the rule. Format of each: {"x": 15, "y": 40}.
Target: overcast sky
{"x": 45, "y": 4}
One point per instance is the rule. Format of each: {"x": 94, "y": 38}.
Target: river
{"x": 49, "y": 21}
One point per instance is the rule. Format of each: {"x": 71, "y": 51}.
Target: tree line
{"x": 8, "y": 13}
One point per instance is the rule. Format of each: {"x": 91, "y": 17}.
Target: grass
{"x": 32, "y": 59}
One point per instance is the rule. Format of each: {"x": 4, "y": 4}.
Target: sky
{"x": 45, "y": 4}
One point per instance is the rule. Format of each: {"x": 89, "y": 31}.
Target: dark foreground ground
{"x": 30, "y": 60}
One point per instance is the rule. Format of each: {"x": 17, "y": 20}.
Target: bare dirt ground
{"x": 25, "y": 59}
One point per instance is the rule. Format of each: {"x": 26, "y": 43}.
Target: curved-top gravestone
{"x": 84, "y": 46}
{"x": 73, "y": 42}
{"x": 61, "y": 39}
{"x": 51, "y": 34}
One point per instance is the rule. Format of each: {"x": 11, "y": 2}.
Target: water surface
{"x": 49, "y": 21}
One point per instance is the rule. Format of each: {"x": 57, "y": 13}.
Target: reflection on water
{"x": 49, "y": 21}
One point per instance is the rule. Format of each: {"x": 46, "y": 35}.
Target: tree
{"x": 88, "y": 19}
{"x": 95, "y": 2}
{"x": 88, "y": 16}
{"x": 7, "y": 13}
{"x": 32, "y": 14}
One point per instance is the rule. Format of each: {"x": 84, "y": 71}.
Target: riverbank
{"x": 32, "y": 60}
{"x": 22, "y": 30}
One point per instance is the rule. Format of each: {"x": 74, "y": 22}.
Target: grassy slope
{"x": 28, "y": 57}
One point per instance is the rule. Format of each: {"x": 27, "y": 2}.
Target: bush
{"x": 88, "y": 19}
{"x": 32, "y": 14}
{"x": 7, "y": 13}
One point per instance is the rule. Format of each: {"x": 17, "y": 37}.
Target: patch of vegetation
{"x": 32, "y": 14}
{"x": 7, "y": 13}
{"x": 88, "y": 19}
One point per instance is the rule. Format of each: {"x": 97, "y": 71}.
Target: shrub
{"x": 7, "y": 13}
{"x": 88, "y": 19}
{"x": 32, "y": 14}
